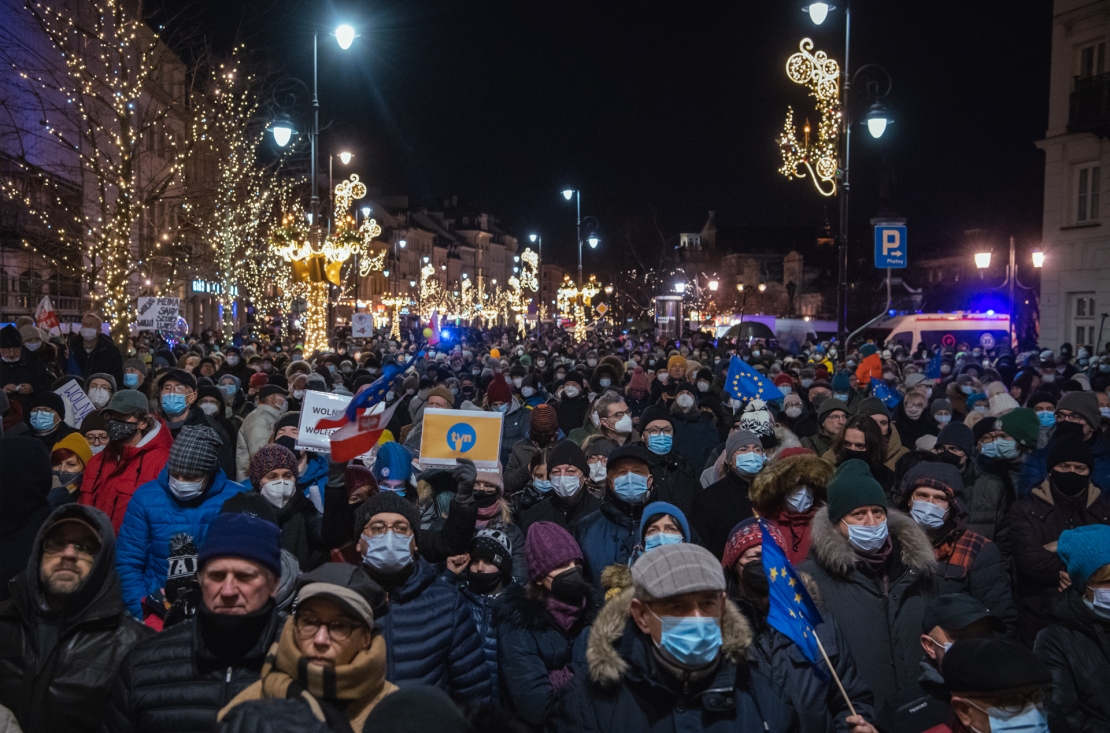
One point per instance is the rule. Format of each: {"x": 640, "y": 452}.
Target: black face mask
{"x": 755, "y": 579}
{"x": 484, "y": 583}
{"x": 118, "y": 430}
{"x": 570, "y": 586}
{"x": 950, "y": 458}
{"x": 485, "y": 498}
{"x": 1065, "y": 427}
{"x": 847, "y": 455}
{"x": 1070, "y": 484}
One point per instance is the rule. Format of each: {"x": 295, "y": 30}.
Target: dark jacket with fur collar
{"x": 770, "y": 488}
{"x": 882, "y": 628}
{"x": 626, "y": 689}
{"x": 530, "y": 646}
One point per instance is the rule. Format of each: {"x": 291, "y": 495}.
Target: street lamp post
{"x": 983, "y": 261}
{"x": 568, "y": 194}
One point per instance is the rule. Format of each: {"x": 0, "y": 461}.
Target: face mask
{"x": 501, "y": 408}
{"x": 1006, "y": 448}
{"x": 527, "y": 391}
{"x": 483, "y": 499}
{"x": 786, "y": 389}
{"x": 130, "y": 380}
{"x": 685, "y": 401}
{"x": 748, "y": 463}
{"x": 570, "y": 392}
{"x": 597, "y": 472}
{"x": 800, "y": 499}
{"x": 42, "y": 421}
{"x": 692, "y": 641}
{"x": 9, "y": 361}
{"x": 173, "y": 404}
{"x": 267, "y": 367}
{"x": 566, "y": 486}
{"x": 483, "y": 583}
{"x": 517, "y": 381}
{"x": 1104, "y": 368}
{"x": 591, "y": 362}
{"x": 865, "y": 537}
{"x": 475, "y": 372}
{"x": 631, "y": 487}
{"x": 1102, "y": 601}
{"x": 914, "y": 412}
{"x": 66, "y": 478}
{"x": 1030, "y": 720}
{"x": 278, "y": 492}
{"x": 209, "y": 408}
{"x": 570, "y": 586}
{"x": 756, "y": 354}
{"x": 944, "y": 368}
{"x": 33, "y": 345}
{"x": 542, "y": 485}
{"x": 232, "y": 360}
{"x": 755, "y": 577}
{"x": 888, "y": 376}
{"x": 943, "y": 419}
{"x": 1046, "y": 418}
{"x": 806, "y": 383}
{"x": 624, "y": 425}
{"x": 387, "y": 553}
{"x": 119, "y": 430}
{"x": 186, "y": 490}
{"x": 1105, "y": 412}
{"x": 660, "y": 445}
{"x": 541, "y": 363}
{"x": 928, "y": 514}
{"x": 793, "y": 411}
{"x": 662, "y": 538}
{"x": 88, "y": 333}
{"x": 662, "y": 377}
{"x": 1048, "y": 377}
{"x": 1069, "y": 484}
{"x": 99, "y": 396}
{"x": 842, "y": 396}
{"x": 989, "y": 450}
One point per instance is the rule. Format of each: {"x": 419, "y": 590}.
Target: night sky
{"x": 669, "y": 109}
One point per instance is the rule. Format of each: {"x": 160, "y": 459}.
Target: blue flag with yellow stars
{"x": 792, "y": 611}
{"x": 745, "y": 383}
{"x": 934, "y": 372}
{"x": 890, "y": 397}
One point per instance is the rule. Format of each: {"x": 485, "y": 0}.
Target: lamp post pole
{"x": 1011, "y": 275}
{"x": 846, "y": 128}
{"x": 578, "y": 201}
{"x": 315, "y": 201}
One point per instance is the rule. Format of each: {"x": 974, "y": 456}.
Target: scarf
{"x": 564, "y": 614}
{"x": 877, "y": 560}
{"x": 799, "y": 527}
{"x": 486, "y": 514}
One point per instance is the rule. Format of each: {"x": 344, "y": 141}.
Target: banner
{"x": 157, "y": 314}
{"x": 450, "y": 434}
{"x": 78, "y": 405}
{"x": 362, "y": 325}
{"x": 315, "y": 407}
{"x": 46, "y": 317}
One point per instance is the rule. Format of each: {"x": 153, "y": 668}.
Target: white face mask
{"x": 186, "y": 490}
{"x": 208, "y": 408}
{"x": 278, "y": 492}
{"x": 566, "y": 486}
{"x": 571, "y": 392}
{"x": 662, "y": 377}
{"x": 624, "y": 425}
{"x": 88, "y": 333}
{"x": 914, "y": 412}
{"x": 298, "y": 394}
{"x": 800, "y": 499}
{"x": 685, "y": 401}
{"x": 703, "y": 386}
{"x": 99, "y": 396}
{"x": 517, "y": 381}
{"x": 793, "y": 411}
{"x": 597, "y": 472}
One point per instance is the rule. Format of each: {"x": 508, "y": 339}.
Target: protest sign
{"x": 157, "y": 314}
{"x": 77, "y": 403}
{"x": 315, "y": 407}
{"x": 362, "y": 325}
{"x": 450, "y": 434}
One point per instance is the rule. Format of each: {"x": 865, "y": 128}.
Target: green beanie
{"x": 851, "y": 487}
{"x": 872, "y": 406}
{"x": 1022, "y": 425}
{"x": 829, "y": 405}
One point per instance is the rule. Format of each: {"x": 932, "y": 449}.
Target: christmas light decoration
{"x": 817, "y": 157}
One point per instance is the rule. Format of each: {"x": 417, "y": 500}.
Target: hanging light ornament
{"x": 817, "y": 157}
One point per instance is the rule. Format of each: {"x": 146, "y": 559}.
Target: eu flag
{"x": 933, "y": 371}
{"x": 890, "y": 397}
{"x": 745, "y": 383}
{"x": 792, "y": 611}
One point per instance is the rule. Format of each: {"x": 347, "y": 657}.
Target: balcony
{"x": 1089, "y": 105}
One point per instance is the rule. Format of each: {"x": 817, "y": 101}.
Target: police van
{"x": 986, "y": 330}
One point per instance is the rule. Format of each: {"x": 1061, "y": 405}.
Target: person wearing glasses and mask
{"x": 65, "y": 631}
{"x": 568, "y": 499}
{"x": 988, "y": 501}
{"x": 1077, "y": 419}
{"x": 672, "y": 468}
{"x": 998, "y": 686}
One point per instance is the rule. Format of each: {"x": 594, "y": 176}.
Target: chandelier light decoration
{"x": 817, "y": 158}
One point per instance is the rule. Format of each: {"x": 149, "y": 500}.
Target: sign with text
{"x": 77, "y": 403}
{"x": 449, "y": 434}
{"x": 319, "y": 406}
{"x": 362, "y": 325}
{"x": 890, "y": 246}
{"x": 157, "y": 314}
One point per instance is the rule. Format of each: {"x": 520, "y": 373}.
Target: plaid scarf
{"x": 960, "y": 548}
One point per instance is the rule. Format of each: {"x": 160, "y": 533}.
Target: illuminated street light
{"x": 762, "y": 287}
{"x": 593, "y": 239}
{"x": 345, "y": 157}
{"x": 366, "y": 211}
{"x": 402, "y": 243}
{"x": 818, "y": 12}
{"x": 282, "y": 134}
{"x": 982, "y": 260}
{"x": 531, "y": 237}
{"x": 713, "y": 285}
{"x": 740, "y": 287}
{"x": 1038, "y": 258}
{"x": 877, "y": 119}
{"x": 568, "y": 194}
{"x": 680, "y": 287}
{"x": 345, "y": 35}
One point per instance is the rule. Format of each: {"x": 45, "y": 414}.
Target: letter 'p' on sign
{"x": 890, "y": 247}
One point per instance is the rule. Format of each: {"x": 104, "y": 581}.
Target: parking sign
{"x": 890, "y": 246}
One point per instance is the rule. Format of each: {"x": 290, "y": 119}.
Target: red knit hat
{"x": 269, "y": 458}
{"x": 498, "y": 390}
{"x": 783, "y": 378}
{"x": 639, "y": 380}
{"x": 745, "y": 535}
{"x": 258, "y": 381}
{"x": 799, "y": 451}
{"x": 544, "y": 420}
{"x": 357, "y": 475}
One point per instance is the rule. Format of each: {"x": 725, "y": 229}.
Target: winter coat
{"x": 481, "y": 608}
{"x": 571, "y": 413}
{"x": 314, "y": 480}
{"x": 895, "y": 449}
{"x": 24, "y": 483}
{"x": 255, "y": 433}
{"x": 56, "y": 668}
{"x": 627, "y": 689}
{"x": 431, "y": 637}
{"x": 1075, "y": 648}
{"x": 1037, "y": 521}
{"x": 514, "y": 429}
{"x": 718, "y": 509}
{"x": 109, "y": 484}
{"x": 819, "y": 443}
{"x": 517, "y": 475}
{"x": 195, "y": 417}
{"x": 609, "y": 535}
{"x": 988, "y": 506}
{"x": 531, "y": 646}
{"x": 552, "y": 509}
{"x": 673, "y": 478}
{"x": 909, "y": 430}
{"x": 976, "y": 568}
{"x": 882, "y": 626}
{"x": 26, "y": 370}
{"x": 153, "y": 517}
{"x": 175, "y": 682}
{"x": 105, "y": 357}
{"x": 770, "y": 488}
{"x": 694, "y": 436}
{"x": 300, "y": 525}
{"x": 1034, "y": 469}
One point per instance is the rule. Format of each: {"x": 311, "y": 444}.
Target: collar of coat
{"x": 607, "y": 666}
{"x": 834, "y": 553}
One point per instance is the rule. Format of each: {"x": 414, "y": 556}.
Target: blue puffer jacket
{"x": 314, "y": 480}
{"x": 608, "y": 536}
{"x": 1034, "y": 469}
{"x": 154, "y": 515}
{"x": 481, "y": 608}
{"x": 431, "y": 638}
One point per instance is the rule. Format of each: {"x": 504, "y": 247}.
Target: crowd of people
{"x": 178, "y": 561}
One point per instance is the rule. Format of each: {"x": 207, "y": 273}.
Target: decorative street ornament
{"x": 817, "y": 157}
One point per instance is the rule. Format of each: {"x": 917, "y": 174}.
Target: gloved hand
{"x": 465, "y": 474}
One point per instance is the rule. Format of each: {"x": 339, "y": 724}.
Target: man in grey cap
{"x": 672, "y": 646}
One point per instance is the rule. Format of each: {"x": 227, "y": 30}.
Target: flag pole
{"x": 834, "y": 674}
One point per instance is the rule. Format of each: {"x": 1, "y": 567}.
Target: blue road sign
{"x": 890, "y": 246}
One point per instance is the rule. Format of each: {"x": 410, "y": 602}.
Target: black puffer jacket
{"x": 988, "y": 506}
{"x": 175, "y": 682}
{"x": 718, "y": 508}
{"x": 24, "y": 483}
{"x": 673, "y": 479}
{"x": 1076, "y": 650}
{"x": 57, "y": 666}
{"x": 552, "y": 509}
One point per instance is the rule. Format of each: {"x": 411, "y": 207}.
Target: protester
{"x": 996, "y": 685}
{"x": 47, "y": 419}
{"x": 988, "y": 502}
{"x": 21, "y": 376}
{"x": 543, "y": 431}
{"x": 25, "y": 479}
{"x": 719, "y": 508}
{"x": 1077, "y": 418}
{"x": 258, "y": 427}
{"x": 568, "y": 500}
{"x": 68, "y": 459}
{"x": 273, "y": 475}
{"x": 790, "y": 491}
{"x": 672, "y": 466}
{"x": 832, "y": 415}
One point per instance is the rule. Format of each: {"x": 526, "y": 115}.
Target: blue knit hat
{"x": 244, "y": 536}
{"x": 657, "y": 508}
{"x": 393, "y": 462}
{"x": 1084, "y": 550}
{"x": 841, "y": 382}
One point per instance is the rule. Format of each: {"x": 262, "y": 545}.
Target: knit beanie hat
{"x": 1002, "y": 403}
{"x": 547, "y": 547}
{"x": 208, "y": 390}
{"x": 935, "y": 475}
{"x": 600, "y": 447}
{"x": 673, "y": 570}
{"x": 1070, "y": 450}
{"x": 658, "y": 509}
{"x": 242, "y": 536}
{"x": 270, "y": 457}
{"x": 258, "y": 381}
{"x": 756, "y": 418}
{"x": 492, "y": 476}
{"x": 93, "y": 421}
{"x": 783, "y": 379}
{"x": 498, "y": 391}
{"x": 939, "y": 404}
{"x": 567, "y": 453}
{"x": 443, "y": 393}
{"x": 356, "y": 475}
{"x": 1084, "y": 550}
{"x": 851, "y": 487}
{"x": 76, "y": 443}
{"x": 10, "y": 338}
{"x": 195, "y": 452}
{"x": 1084, "y": 404}
{"x": 639, "y": 381}
{"x": 746, "y": 535}
{"x": 1038, "y": 397}
{"x": 51, "y": 400}
{"x": 106, "y": 377}
{"x": 957, "y": 435}
{"x": 386, "y": 502}
{"x": 495, "y": 547}
{"x": 868, "y": 349}
{"x": 828, "y": 406}
{"x": 653, "y": 413}
{"x": 738, "y": 440}
{"x": 841, "y": 382}
{"x": 872, "y": 406}
{"x": 676, "y": 359}
{"x": 392, "y": 462}
{"x": 1024, "y": 427}
{"x": 544, "y": 420}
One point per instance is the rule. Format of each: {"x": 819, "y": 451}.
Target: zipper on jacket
{"x": 228, "y": 680}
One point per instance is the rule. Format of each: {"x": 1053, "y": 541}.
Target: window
{"x": 1092, "y": 60}
{"x": 1083, "y": 313}
{"x": 1087, "y": 190}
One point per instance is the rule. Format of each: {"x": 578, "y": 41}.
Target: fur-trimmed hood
{"x": 607, "y": 666}
{"x": 771, "y": 485}
{"x": 616, "y": 364}
{"x": 832, "y": 551}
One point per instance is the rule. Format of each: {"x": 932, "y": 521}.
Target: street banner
{"x": 315, "y": 407}
{"x": 77, "y": 403}
{"x": 157, "y": 314}
{"x": 46, "y": 317}
{"x": 450, "y": 434}
{"x": 362, "y": 325}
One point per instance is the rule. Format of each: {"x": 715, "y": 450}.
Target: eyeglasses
{"x": 658, "y": 431}
{"x": 379, "y": 528}
{"x": 307, "y": 626}
{"x": 1068, "y": 416}
{"x": 96, "y": 438}
{"x": 54, "y": 546}
{"x": 618, "y": 415}
{"x": 177, "y": 389}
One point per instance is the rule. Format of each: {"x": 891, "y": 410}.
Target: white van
{"x": 987, "y": 330}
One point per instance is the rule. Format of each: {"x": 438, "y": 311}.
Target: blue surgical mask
{"x": 1031, "y": 719}
{"x": 42, "y": 420}
{"x": 692, "y": 641}
{"x": 990, "y": 450}
{"x": 749, "y": 463}
{"x": 660, "y": 445}
{"x": 1047, "y": 418}
{"x": 631, "y": 487}
{"x": 662, "y": 538}
{"x": 842, "y": 396}
{"x": 173, "y": 403}
{"x": 542, "y": 485}
{"x": 230, "y": 390}
{"x": 131, "y": 380}
{"x": 502, "y": 408}
{"x": 928, "y": 514}
{"x": 1006, "y": 448}
{"x": 865, "y": 537}
{"x": 388, "y": 553}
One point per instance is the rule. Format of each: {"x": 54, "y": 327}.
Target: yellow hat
{"x": 76, "y": 443}
{"x": 676, "y": 359}
{"x": 386, "y": 437}
{"x": 495, "y": 353}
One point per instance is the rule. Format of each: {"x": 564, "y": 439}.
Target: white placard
{"x": 315, "y": 407}
{"x": 78, "y": 405}
{"x": 157, "y": 314}
{"x": 362, "y": 325}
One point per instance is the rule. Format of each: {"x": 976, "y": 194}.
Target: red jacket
{"x": 108, "y": 485}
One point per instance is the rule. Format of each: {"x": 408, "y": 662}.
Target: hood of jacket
{"x": 607, "y": 666}
{"x": 290, "y": 569}
{"x": 834, "y": 553}
{"x": 771, "y": 485}
{"x": 515, "y": 610}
